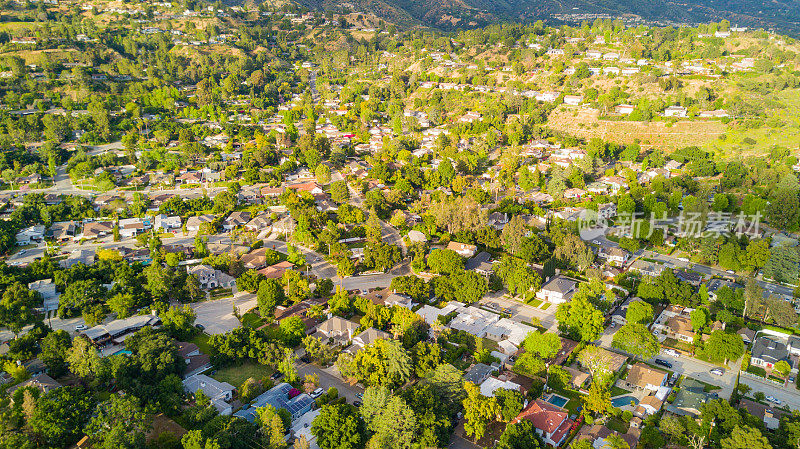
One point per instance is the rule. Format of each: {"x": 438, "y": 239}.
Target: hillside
{"x": 451, "y": 14}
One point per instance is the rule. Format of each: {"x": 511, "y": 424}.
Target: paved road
{"x": 789, "y": 395}
{"x": 370, "y": 281}
{"x": 217, "y": 315}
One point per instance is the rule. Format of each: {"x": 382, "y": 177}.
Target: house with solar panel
{"x": 281, "y": 396}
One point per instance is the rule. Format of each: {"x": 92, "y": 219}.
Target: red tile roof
{"x": 545, "y": 417}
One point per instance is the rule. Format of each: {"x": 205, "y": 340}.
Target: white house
{"x": 30, "y": 235}
{"x": 675, "y": 111}
{"x": 210, "y": 277}
{"x": 558, "y": 290}
{"x": 220, "y": 393}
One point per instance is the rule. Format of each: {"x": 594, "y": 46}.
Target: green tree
{"x": 55, "y": 347}
{"x": 339, "y": 427}
{"x": 60, "y": 415}
{"x": 270, "y": 295}
{"x": 722, "y": 346}
{"x": 639, "y": 312}
{"x": 637, "y": 340}
{"x": 17, "y": 307}
{"x": 479, "y": 411}
{"x": 580, "y": 318}
{"x": 118, "y": 423}
{"x": 745, "y": 437}
{"x": 545, "y": 345}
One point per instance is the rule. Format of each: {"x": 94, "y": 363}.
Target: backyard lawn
{"x": 201, "y": 340}
{"x": 237, "y": 374}
{"x": 617, "y": 391}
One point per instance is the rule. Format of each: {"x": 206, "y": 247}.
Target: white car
{"x": 81, "y": 327}
{"x": 316, "y": 393}
{"x": 672, "y": 352}
{"x": 773, "y": 400}
{"x": 717, "y": 371}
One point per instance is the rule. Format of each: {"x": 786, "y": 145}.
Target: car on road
{"x": 730, "y": 271}
{"x": 360, "y": 395}
{"x": 276, "y": 375}
{"x": 672, "y": 352}
{"x": 717, "y": 371}
{"x": 663, "y": 363}
{"x": 774, "y": 400}
{"x": 317, "y": 393}
{"x": 200, "y": 327}
{"x": 81, "y": 327}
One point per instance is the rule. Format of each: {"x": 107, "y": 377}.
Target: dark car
{"x": 200, "y": 326}
{"x": 276, "y": 375}
{"x": 663, "y": 363}
{"x": 305, "y": 359}
{"x": 357, "y": 403}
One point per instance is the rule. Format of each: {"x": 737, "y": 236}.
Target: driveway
{"x": 217, "y": 315}
{"x": 789, "y": 395}
{"x": 329, "y": 377}
{"x": 522, "y": 312}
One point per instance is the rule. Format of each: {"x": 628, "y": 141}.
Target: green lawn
{"x": 218, "y": 293}
{"x": 201, "y": 340}
{"x": 237, "y": 374}
{"x": 575, "y": 399}
{"x": 251, "y": 319}
{"x": 535, "y": 302}
{"x": 546, "y": 306}
{"x": 617, "y": 391}
{"x": 618, "y": 425}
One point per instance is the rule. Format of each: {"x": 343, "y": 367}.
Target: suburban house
{"x": 196, "y": 361}
{"x": 646, "y": 378}
{"x": 285, "y": 225}
{"x": 767, "y": 351}
{"x": 478, "y": 373}
{"x": 97, "y": 229}
{"x": 220, "y": 393}
{"x": 42, "y": 382}
{"x": 116, "y": 331}
{"x": 463, "y": 249}
{"x": 492, "y": 384}
{"x": 680, "y": 328}
{"x": 367, "y": 337}
{"x": 63, "y": 231}
{"x": 194, "y": 223}
{"x": 47, "y": 289}
{"x": 236, "y": 219}
{"x": 399, "y": 299}
{"x": 210, "y": 277}
{"x": 337, "y": 329}
{"x": 255, "y": 259}
{"x": 258, "y": 223}
{"x": 648, "y": 405}
{"x": 689, "y": 399}
{"x": 551, "y": 423}
{"x": 276, "y": 271}
{"x": 557, "y": 290}
{"x": 166, "y": 222}
{"x": 131, "y": 227}
{"x": 598, "y": 435}
{"x": 30, "y": 235}
{"x": 84, "y": 256}
{"x": 647, "y": 268}
{"x": 614, "y": 254}
{"x": 281, "y": 396}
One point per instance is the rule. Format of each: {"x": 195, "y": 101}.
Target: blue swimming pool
{"x": 122, "y": 351}
{"x": 624, "y": 400}
{"x": 558, "y": 401}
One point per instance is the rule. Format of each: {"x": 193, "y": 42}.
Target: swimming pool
{"x": 624, "y": 400}
{"x": 558, "y": 401}
{"x": 122, "y": 351}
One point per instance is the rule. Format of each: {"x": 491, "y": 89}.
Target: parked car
{"x": 317, "y": 393}
{"x": 81, "y": 327}
{"x": 357, "y": 403}
{"x": 663, "y": 363}
{"x": 717, "y": 371}
{"x": 276, "y": 375}
{"x": 360, "y": 395}
{"x": 200, "y": 326}
{"x": 774, "y": 400}
{"x": 672, "y": 352}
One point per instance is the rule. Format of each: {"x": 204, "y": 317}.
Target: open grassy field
{"x": 237, "y": 374}
{"x": 586, "y": 123}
